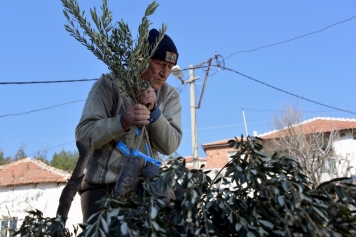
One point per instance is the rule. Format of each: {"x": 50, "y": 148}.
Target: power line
{"x": 45, "y": 82}
{"x": 62, "y": 81}
{"x": 244, "y": 51}
{"x": 295, "y": 38}
{"x": 286, "y": 92}
{"x": 36, "y": 110}
{"x": 179, "y": 89}
{"x": 45, "y": 150}
{"x": 229, "y": 69}
{"x": 227, "y": 126}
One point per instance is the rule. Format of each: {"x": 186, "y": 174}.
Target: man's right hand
{"x": 135, "y": 115}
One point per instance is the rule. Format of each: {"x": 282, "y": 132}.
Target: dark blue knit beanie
{"x": 166, "y": 50}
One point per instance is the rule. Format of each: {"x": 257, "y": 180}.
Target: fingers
{"x": 140, "y": 115}
{"x": 148, "y": 98}
{"x": 135, "y": 115}
{"x": 139, "y": 108}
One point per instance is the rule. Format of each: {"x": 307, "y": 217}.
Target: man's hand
{"x": 135, "y": 115}
{"x": 148, "y": 98}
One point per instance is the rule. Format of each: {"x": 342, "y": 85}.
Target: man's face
{"x": 158, "y": 71}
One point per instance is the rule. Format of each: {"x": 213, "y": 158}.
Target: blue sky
{"x": 319, "y": 67}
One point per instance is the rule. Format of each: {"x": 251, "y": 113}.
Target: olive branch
{"x": 125, "y": 57}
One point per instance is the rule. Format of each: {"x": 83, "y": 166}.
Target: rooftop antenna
{"x": 243, "y": 115}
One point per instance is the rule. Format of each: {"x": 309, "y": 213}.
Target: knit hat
{"x": 166, "y": 50}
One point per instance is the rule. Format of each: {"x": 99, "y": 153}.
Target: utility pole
{"x": 193, "y": 117}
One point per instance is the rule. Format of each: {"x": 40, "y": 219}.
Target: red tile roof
{"x": 30, "y": 171}
{"x": 312, "y": 125}
{"x": 188, "y": 159}
{"x": 317, "y": 125}
{"x": 218, "y": 143}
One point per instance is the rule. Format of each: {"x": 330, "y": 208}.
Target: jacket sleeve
{"x": 166, "y": 131}
{"x": 98, "y": 119}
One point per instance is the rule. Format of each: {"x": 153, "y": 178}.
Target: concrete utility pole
{"x": 193, "y": 111}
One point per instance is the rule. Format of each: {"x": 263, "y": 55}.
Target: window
{"x": 8, "y": 227}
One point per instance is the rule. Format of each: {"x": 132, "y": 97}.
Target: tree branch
{"x": 75, "y": 182}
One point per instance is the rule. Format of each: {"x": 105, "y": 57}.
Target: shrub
{"x": 253, "y": 195}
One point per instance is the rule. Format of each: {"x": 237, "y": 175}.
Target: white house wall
{"x": 17, "y": 200}
{"x": 345, "y": 148}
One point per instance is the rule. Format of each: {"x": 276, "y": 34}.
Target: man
{"x": 109, "y": 116}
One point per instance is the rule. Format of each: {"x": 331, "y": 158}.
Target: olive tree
{"x": 259, "y": 195}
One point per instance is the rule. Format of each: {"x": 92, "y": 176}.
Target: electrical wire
{"x": 286, "y": 92}
{"x": 45, "y": 82}
{"x": 45, "y": 150}
{"x": 36, "y": 110}
{"x": 227, "y": 126}
{"x": 295, "y": 38}
{"x": 179, "y": 89}
{"x": 185, "y": 69}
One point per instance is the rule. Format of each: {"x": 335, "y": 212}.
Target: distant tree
{"x": 65, "y": 160}
{"x": 20, "y": 154}
{"x": 4, "y": 160}
{"x": 43, "y": 159}
{"x": 313, "y": 151}
{"x": 42, "y": 156}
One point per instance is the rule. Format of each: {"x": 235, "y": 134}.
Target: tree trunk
{"x": 74, "y": 184}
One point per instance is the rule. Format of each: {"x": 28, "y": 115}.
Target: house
{"x": 189, "y": 162}
{"x": 218, "y": 153}
{"x": 346, "y": 127}
{"x": 343, "y": 146}
{"x": 29, "y": 184}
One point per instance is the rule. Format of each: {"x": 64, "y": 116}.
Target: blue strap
{"x": 126, "y": 151}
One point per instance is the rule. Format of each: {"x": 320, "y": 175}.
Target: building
{"x": 343, "y": 144}
{"x": 189, "y": 162}
{"x": 218, "y": 153}
{"x": 29, "y": 184}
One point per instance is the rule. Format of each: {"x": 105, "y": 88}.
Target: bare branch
{"x": 312, "y": 148}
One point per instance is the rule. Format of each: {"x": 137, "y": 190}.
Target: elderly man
{"x": 110, "y": 117}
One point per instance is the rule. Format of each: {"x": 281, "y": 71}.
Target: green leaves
{"x": 250, "y": 196}
{"x": 151, "y": 8}
{"x": 35, "y": 224}
{"x": 127, "y": 58}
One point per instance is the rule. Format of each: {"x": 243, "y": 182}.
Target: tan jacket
{"x": 101, "y": 121}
